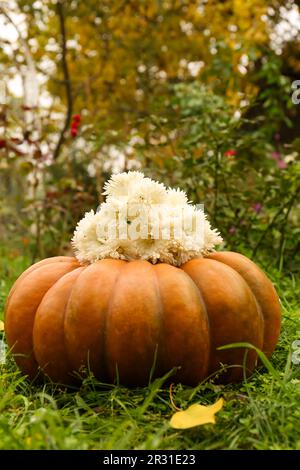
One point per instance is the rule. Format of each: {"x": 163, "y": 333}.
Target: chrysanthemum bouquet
{"x": 142, "y": 219}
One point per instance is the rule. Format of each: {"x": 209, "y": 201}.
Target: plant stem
{"x": 67, "y": 81}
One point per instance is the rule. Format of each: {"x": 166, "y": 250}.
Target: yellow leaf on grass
{"x": 196, "y": 415}
{"x": 1, "y": 325}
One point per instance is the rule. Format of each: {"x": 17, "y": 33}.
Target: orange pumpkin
{"x": 119, "y": 318}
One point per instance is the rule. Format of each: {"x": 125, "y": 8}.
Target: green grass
{"x": 260, "y": 413}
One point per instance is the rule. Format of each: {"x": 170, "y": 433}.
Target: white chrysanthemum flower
{"x": 85, "y": 238}
{"x": 148, "y": 192}
{"x": 142, "y": 219}
{"x": 122, "y": 183}
{"x": 176, "y": 197}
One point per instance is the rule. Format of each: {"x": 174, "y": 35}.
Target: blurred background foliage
{"x": 195, "y": 93}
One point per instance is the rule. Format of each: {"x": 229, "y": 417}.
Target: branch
{"x": 67, "y": 81}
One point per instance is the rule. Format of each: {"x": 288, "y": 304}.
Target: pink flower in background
{"x": 279, "y": 161}
{"x": 257, "y": 207}
{"x": 232, "y": 230}
{"x": 281, "y": 164}
{"x": 230, "y": 153}
{"x": 276, "y": 155}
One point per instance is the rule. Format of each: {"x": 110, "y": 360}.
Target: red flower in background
{"x": 76, "y": 118}
{"x": 74, "y": 132}
{"x": 2, "y": 144}
{"x": 230, "y": 153}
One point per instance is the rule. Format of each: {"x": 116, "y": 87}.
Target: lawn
{"x": 260, "y": 413}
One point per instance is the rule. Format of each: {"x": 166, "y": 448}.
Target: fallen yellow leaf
{"x": 1, "y": 325}
{"x": 196, "y": 415}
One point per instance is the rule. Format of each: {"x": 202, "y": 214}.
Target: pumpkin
{"x": 124, "y": 319}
